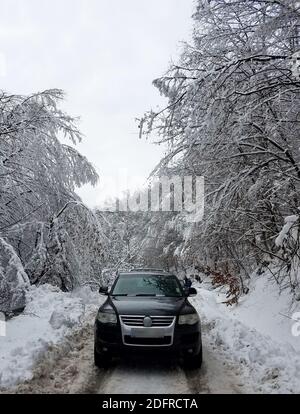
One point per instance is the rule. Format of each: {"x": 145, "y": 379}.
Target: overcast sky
{"x": 104, "y": 54}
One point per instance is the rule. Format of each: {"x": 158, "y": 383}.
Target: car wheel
{"x": 194, "y": 361}
{"x": 100, "y": 360}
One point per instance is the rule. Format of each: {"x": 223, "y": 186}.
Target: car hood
{"x": 148, "y": 306}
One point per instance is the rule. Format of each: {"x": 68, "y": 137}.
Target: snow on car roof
{"x": 147, "y": 269}
{"x": 143, "y": 273}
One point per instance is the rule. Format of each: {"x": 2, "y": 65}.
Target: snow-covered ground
{"x": 256, "y": 334}
{"x": 50, "y": 315}
{"x": 248, "y": 348}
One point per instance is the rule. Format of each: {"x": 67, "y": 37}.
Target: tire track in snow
{"x": 218, "y": 375}
{"x": 69, "y": 368}
{"x": 66, "y": 367}
{"x": 146, "y": 376}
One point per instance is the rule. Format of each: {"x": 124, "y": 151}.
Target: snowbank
{"x": 255, "y": 335}
{"x": 49, "y": 316}
{"x": 254, "y": 338}
{"x": 268, "y": 311}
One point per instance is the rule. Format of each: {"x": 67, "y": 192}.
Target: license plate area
{"x": 147, "y": 332}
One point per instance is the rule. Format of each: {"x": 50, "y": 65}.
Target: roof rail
{"x": 147, "y": 269}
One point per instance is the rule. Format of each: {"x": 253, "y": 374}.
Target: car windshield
{"x": 147, "y": 285}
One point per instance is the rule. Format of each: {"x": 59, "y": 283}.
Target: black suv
{"x": 144, "y": 311}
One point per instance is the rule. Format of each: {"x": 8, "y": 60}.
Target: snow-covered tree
{"x": 38, "y": 177}
{"x": 233, "y": 117}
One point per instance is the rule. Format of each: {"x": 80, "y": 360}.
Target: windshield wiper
{"x": 120, "y": 294}
{"x": 173, "y": 296}
{"x": 145, "y": 294}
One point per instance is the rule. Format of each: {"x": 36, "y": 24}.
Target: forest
{"x": 232, "y": 116}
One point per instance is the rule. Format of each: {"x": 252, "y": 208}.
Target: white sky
{"x": 104, "y": 54}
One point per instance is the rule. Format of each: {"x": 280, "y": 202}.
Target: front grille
{"x": 167, "y": 340}
{"x": 157, "y": 321}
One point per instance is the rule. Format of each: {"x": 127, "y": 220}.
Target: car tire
{"x": 100, "y": 360}
{"x": 194, "y": 361}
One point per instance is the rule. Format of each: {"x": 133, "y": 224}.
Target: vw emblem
{"x": 147, "y": 322}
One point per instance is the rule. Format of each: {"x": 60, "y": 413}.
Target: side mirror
{"x": 192, "y": 292}
{"x": 103, "y": 290}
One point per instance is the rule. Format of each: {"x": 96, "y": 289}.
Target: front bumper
{"x": 186, "y": 339}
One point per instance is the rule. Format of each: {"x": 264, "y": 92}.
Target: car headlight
{"x": 189, "y": 319}
{"x": 107, "y": 317}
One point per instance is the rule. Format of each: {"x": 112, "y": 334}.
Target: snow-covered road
{"x": 157, "y": 376}
{"x": 69, "y": 368}
{"x": 243, "y": 351}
